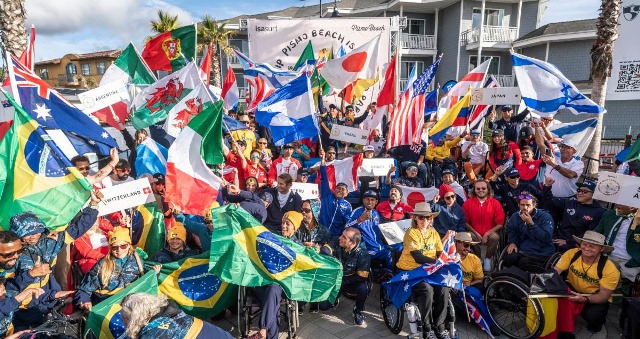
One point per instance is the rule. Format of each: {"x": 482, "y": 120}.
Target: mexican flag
{"x": 190, "y": 184}
{"x": 129, "y": 68}
{"x": 170, "y": 51}
{"x": 154, "y": 103}
{"x": 105, "y": 321}
{"x": 194, "y": 288}
{"x": 191, "y": 105}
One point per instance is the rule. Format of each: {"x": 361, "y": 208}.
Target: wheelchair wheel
{"x": 500, "y": 261}
{"x": 451, "y": 317}
{"x": 393, "y": 316}
{"x": 291, "y": 317}
{"x": 552, "y": 261}
{"x": 244, "y": 312}
{"x": 511, "y": 309}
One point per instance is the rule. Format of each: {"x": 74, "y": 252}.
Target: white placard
{"x": 495, "y": 96}
{"x": 394, "y": 231}
{"x": 103, "y": 96}
{"x": 127, "y": 195}
{"x": 376, "y": 167}
{"x": 349, "y": 134}
{"x": 307, "y": 191}
{"x": 618, "y": 188}
{"x": 625, "y": 79}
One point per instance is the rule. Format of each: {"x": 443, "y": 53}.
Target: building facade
{"x": 466, "y": 32}
{"x": 76, "y": 70}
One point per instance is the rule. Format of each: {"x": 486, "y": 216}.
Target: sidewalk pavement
{"x": 338, "y": 323}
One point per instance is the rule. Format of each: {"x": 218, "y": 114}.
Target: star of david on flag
{"x": 445, "y": 272}
{"x": 51, "y": 110}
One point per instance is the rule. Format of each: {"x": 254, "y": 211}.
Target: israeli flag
{"x": 545, "y": 89}
{"x": 580, "y": 133}
{"x": 289, "y": 112}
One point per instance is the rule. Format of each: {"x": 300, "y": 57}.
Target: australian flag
{"x": 445, "y": 272}
{"x": 51, "y": 110}
{"x": 476, "y": 308}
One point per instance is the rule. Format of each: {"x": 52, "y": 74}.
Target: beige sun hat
{"x": 595, "y": 238}
{"x": 465, "y": 237}
{"x": 423, "y": 208}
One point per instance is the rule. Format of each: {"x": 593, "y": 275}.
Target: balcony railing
{"x": 418, "y": 41}
{"x": 232, "y": 59}
{"x": 505, "y": 80}
{"x": 242, "y": 91}
{"x": 490, "y": 34}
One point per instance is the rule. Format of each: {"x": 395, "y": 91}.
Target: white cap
{"x": 570, "y": 143}
{"x": 368, "y": 148}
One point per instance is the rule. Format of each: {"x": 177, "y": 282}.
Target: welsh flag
{"x": 154, "y": 103}
{"x": 170, "y": 51}
{"x": 105, "y": 321}
{"x": 129, "y": 68}
{"x": 190, "y": 184}
{"x": 190, "y": 106}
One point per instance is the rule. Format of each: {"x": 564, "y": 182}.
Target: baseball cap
{"x": 475, "y": 132}
{"x": 368, "y": 148}
{"x": 569, "y": 143}
{"x": 370, "y": 194}
{"x": 497, "y": 132}
{"x": 512, "y": 173}
{"x": 506, "y": 108}
{"x": 266, "y": 197}
{"x": 447, "y": 171}
{"x": 288, "y": 146}
{"x": 591, "y": 185}
{"x": 303, "y": 171}
{"x": 159, "y": 178}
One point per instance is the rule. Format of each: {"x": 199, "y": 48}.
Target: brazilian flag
{"x": 245, "y": 253}
{"x": 104, "y": 320}
{"x": 198, "y": 292}
{"x": 148, "y": 228}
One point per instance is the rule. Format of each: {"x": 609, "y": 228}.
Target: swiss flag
{"x": 412, "y": 195}
{"x": 230, "y": 94}
{"x": 357, "y": 64}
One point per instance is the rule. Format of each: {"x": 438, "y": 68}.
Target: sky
{"x": 82, "y": 26}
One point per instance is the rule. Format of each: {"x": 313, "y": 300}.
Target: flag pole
{"x": 143, "y": 61}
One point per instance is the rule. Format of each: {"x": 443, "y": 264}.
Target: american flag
{"x": 474, "y": 79}
{"x": 407, "y": 119}
{"x": 481, "y": 111}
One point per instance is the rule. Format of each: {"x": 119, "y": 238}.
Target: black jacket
{"x": 275, "y": 211}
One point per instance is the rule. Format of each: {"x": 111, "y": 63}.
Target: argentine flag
{"x": 545, "y": 89}
{"x": 151, "y": 157}
{"x": 289, "y": 112}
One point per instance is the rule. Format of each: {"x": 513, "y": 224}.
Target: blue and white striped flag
{"x": 151, "y": 157}
{"x": 545, "y": 89}
{"x": 289, "y": 112}
{"x": 580, "y": 133}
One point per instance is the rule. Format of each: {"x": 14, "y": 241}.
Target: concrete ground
{"x": 338, "y": 323}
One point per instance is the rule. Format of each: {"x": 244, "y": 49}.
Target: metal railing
{"x": 490, "y": 34}
{"x": 505, "y": 80}
{"x": 232, "y": 59}
{"x": 242, "y": 91}
{"x": 418, "y": 41}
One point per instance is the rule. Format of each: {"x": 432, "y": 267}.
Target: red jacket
{"x": 278, "y": 168}
{"x": 399, "y": 212}
{"x": 485, "y": 216}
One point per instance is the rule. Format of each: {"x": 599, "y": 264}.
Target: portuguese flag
{"x": 171, "y": 50}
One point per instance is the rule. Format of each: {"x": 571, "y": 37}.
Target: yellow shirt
{"x": 428, "y": 242}
{"x": 249, "y": 137}
{"x": 584, "y": 278}
{"x": 471, "y": 268}
{"x": 443, "y": 151}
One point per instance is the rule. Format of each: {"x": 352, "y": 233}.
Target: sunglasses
{"x": 262, "y": 143}
{"x": 525, "y": 196}
{"x": 334, "y": 153}
{"x": 121, "y": 247}
{"x": 413, "y": 169}
{"x": 581, "y": 191}
{"x": 450, "y": 197}
{"x": 423, "y": 217}
{"x": 516, "y": 177}
{"x": 304, "y": 174}
{"x": 11, "y": 254}
{"x": 464, "y": 244}
{"x": 306, "y": 210}
{"x": 255, "y": 157}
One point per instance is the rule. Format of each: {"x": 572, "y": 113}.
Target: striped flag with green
{"x": 148, "y": 228}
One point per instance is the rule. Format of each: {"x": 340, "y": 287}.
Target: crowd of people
{"x": 514, "y": 189}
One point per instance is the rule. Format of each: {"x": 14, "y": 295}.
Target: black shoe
{"x": 314, "y": 308}
{"x": 444, "y": 334}
{"x": 358, "y": 318}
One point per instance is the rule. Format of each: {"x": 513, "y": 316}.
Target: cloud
{"x": 569, "y": 10}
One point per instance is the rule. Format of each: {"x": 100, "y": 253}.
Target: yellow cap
{"x": 119, "y": 234}
{"x": 177, "y": 231}
{"x": 294, "y": 217}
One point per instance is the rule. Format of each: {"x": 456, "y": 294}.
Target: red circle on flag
{"x": 415, "y": 197}
{"x": 355, "y": 62}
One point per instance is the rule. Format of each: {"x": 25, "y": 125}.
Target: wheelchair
{"x": 511, "y": 309}
{"x": 548, "y": 264}
{"x": 249, "y": 309}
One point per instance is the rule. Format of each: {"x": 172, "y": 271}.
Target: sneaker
{"x": 301, "y": 307}
{"x": 314, "y": 308}
{"x": 358, "y": 318}
{"x": 444, "y": 334}
{"x": 486, "y": 265}
{"x": 429, "y": 335}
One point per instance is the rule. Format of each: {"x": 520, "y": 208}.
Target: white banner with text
{"x": 618, "y": 189}
{"x": 305, "y": 190}
{"x": 127, "y": 195}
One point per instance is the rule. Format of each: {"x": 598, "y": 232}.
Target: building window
{"x": 405, "y": 70}
{"x": 86, "y": 69}
{"x": 101, "y": 67}
{"x": 44, "y": 74}
{"x": 416, "y": 26}
{"x": 494, "y": 66}
{"x": 71, "y": 72}
{"x": 492, "y": 17}
{"x": 240, "y": 45}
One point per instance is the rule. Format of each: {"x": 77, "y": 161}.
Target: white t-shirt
{"x": 108, "y": 182}
{"x": 477, "y": 152}
{"x": 564, "y": 187}
{"x": 282, "y": 198}
{"x": 620, "y": 242}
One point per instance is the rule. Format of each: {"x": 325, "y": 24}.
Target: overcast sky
{"x": 81, "y": 26}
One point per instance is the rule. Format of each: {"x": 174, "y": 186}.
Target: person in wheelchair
{"x": 592, "y": 278}
{"x": 422, "y": 245}
{"x": 472, "y": 272}
{"x": 529, "y": 235}
{"x": 270, "y": 296}
{"x": 149, "y": 316}
{"x": 116, "y": 270}
{"x": 366, "y": 219}
{"x": 176, "y": 248}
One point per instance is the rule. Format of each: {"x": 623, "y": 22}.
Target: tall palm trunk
{"x": 601, "y": 63}
{"x": 12, "y": 26}
{"x": 215, "y": 67}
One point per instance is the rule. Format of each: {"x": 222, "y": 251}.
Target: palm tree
{"x": 601, "y": 63}
{"x": 166, "y": 22}
{"x": 12, "y": 26}
{"x": 215, "y": 36}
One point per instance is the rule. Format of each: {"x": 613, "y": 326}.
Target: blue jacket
{"x": 334, "y": 213}
{"x": 532, "y": 240}
{"x": 175, "y": 324}
{"x": 369, "y": 229}
{"x": 449, "y": 218}
{"x": 165, "y": 255}
{"x": 249, "y": 201}
{"x": 356, "y": 264}
{"x": 198, "y": 229}
{"x": 8, "y": 305}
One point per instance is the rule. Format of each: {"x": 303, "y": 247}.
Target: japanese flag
{"x": 413, "y": 195}
{"x": 357, "y": 64}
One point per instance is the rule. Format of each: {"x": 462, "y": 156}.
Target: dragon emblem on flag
{"x": 170, "y": 94}
{"x": 194, "y": 107}
{"x": 171, "y": 48}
